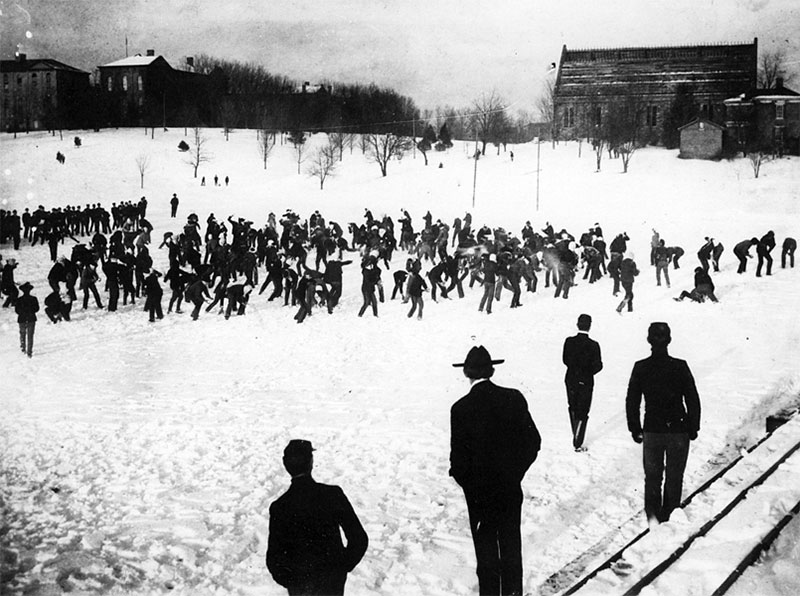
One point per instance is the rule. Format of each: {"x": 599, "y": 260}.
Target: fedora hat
{"x": 26, "y": 287}
{"x": 478, "y": 357}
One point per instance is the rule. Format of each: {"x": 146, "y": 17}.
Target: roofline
{"x": 669, "y": 47}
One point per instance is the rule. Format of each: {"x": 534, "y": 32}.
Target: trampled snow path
{"x": 143, "y": 458}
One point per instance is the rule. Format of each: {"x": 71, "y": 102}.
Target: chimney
{"x": 779, "y": 83}
{"x": 151, "y": 52}
{"x": 21, "y": 57}
{"x": 190, "y": 62}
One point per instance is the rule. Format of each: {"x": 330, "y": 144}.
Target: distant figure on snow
{"x": 26, "y": 308}
{"x": 173, "y": 203}
{"x": 789, "y": 246}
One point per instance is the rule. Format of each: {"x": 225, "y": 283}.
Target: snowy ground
{"x": 142, "y": 458}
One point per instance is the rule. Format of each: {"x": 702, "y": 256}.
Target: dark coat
{"x": 581, "y": 355}
{"x": 493, "y": 438}
{"x": 26, "y": 308}
{"x": 671, "y": 403}
{"x": 305, "y": 552}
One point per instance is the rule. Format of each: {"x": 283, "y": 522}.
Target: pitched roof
{"x": 704, "y": 121}
{"x": 28, "y": 65}
{"x": 137, "y": 60}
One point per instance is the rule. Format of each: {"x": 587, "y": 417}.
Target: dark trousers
{"x": 628, "y": 299}
{"x": 764, "y": 256}
{"x": 494, "y": 519}
{"x": 579, "y": 400}
{"x": 787, "y": 252}
{"x": 153, "y": 304}
{"x": 488, "y": 297}
{"x": 26, "y": 337}
{"x": 664, "y": 458}
{"x": 93, "y": 289}
{"x": 416, "y": 301}
{"x": 334, "y": 293}
{"x": 369, "y": 301}
{"x": 742, "y": 262}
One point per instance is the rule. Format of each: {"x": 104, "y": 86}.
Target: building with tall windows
{"x": 41, "y": 94}
{"x": 591, "y": 81}
{"x": 145, "y": 90}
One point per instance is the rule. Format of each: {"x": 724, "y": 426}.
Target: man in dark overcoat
{"x": 305, "y": 552}
{"x": 493, "y": 443}
{"x": 581, "y": 356}
{"x": 26, "y": 308}
{"x": 671, "y": 420}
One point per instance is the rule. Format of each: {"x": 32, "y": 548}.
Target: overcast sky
{"x": 439, "y": 52}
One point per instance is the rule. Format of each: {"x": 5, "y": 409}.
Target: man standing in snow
{"x": 26, "y": 308}
{"x": 493, "y": 442}
{"x": 305, "y": 553}
{"x": 173, "y": 205}
{"x": 581, "y": 355}
{"x": 671, "y": 420}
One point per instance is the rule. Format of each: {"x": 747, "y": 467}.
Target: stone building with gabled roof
{"x": 41, "y": 93}
{"x": 590, "y": 80}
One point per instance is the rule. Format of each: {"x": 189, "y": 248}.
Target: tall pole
{"x": 475, "y": 171}
{"x": 414, "y": 139}
{"x": 538, "y": 152}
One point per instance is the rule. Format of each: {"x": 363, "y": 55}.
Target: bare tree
{"x": 298, "y": 139}
{"x": 546, "y": 105}
{"x": 337, "y": 140}
{"x": 771, "y": 67}
{"x": 487, "y": 117}
{"x": 757, "y": 159}
{"x": 324, "y": 163}
{"x": 228, "y": 114}
{"x": 266, "y": 142}
{"x": 350, "y": 139}
{"x": 200, "y": 153}
{"x": 382, "y": 148}
{"x": 142, "y": 162}
{"x": 622, "y": 128}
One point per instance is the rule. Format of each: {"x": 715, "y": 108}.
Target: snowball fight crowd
{"x": 229, "y": 259}
{"x": 228, "y": 264}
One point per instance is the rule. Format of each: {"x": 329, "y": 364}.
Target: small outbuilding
{"x": 701, "y": 139}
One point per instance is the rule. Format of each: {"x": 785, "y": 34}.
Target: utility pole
{"x": 475, "y": 171}
{"x": 538, "y": 152}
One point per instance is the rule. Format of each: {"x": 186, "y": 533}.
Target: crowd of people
{"x": 300, "y": 261}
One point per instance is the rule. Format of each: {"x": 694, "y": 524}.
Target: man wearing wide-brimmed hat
{"x": 305, "y": 553}
{"x": 493, "y": 443}
{"x": 26, "y": 308}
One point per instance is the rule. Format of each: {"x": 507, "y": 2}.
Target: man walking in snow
{"x": 493, "y": 442}
{"x": 26, "y": 308}
{"x": 305, "y": 553}
{"x": 671, "y": 420}
{"x": 581, "y": 356}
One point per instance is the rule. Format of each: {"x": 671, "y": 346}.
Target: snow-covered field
{"x": 142, "y": 458}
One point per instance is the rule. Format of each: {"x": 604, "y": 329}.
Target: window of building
{"x": 598, "y": 116}
{"x": 779, "y": 110}
{"x": 5, "y": 82}
{"x": 124, "y": 82}
{"x": 652, "y": 116}
{"x": 569, "y": 116}
{"x": 48, "y": 81}
{"x": 110, "y": 83}
{"x": 34, "y": 80}
{"x": 19, "y": 80}
{"x": 140, "y": 83}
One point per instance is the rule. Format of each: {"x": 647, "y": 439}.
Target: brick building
{"x": 146, "y": 90}
{"x": 589, "y": 81}
{"x": 765, "y": 119}
{"x": 40, "y": 94}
